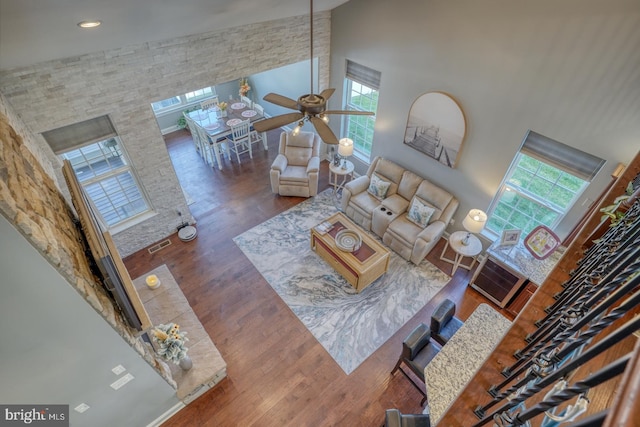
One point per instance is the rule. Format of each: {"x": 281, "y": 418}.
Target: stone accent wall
{"x": 123, "y": 82}
{"x": 31, "y": 200}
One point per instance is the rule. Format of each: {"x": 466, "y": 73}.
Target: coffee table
{"x": 359, "y": 268}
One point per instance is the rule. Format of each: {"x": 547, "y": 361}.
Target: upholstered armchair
{"x": 295, "y": 170}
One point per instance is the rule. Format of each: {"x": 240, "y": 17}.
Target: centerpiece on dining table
{"x": 223, "y": 109}
{"x": 244, "y": 87}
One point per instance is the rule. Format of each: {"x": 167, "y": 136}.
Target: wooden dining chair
{"x": 259, "y": 108}
{"x": 240, "y": 139}
{"x": 209, "y": 103}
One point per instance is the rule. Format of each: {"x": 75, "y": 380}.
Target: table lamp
{"x": 345, "y": 149}
{"x": 473, "y": 223}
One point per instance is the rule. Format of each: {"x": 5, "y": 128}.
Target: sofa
{"x": 407, "y": 211}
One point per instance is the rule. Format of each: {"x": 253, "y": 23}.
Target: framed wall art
{"x": 510, "y": 237}
{"x": 436, "y": 127}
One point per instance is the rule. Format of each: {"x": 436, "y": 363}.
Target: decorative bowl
{"x": 348, "y": 240}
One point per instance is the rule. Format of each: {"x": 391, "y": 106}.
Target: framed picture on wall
{"x": 510, "y": 237}
{"x": 436, "y": 127}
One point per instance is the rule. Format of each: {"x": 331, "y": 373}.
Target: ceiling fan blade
{"x": 326, "y": 94}
{"x": 351, "y": 112}
{"x": 276, "y": 122}
{"x": 325, "y": 132}
{"x": 281, "y": 100}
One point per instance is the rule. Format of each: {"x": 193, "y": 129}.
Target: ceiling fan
{"x": 311, "y": 107}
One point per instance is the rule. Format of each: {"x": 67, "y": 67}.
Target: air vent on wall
{"x": 161, "y": 245}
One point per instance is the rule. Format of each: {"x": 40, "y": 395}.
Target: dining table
{"x": 217, "y": 123}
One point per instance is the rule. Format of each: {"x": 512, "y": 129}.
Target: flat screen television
{"x": 115, "y": 277}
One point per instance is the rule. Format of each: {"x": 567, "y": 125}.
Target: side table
{"x": 471, "y": 249}
{"x": 335, "y": 172}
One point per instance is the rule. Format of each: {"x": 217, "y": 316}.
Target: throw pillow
{"x": 420, "y": 212}
{"x": 378, "y": 187}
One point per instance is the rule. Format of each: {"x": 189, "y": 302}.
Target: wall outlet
{"x": 118, "y": 369}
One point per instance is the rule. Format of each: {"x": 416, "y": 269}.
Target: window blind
{"x": 72, "y": 136}
{"x": 569, "y": 159}
{"x": 363, "y": 75}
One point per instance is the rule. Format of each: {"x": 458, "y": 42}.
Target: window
{"x": 103, "y": 169}
{"x": 361, "y": 93}
{"x": 104, "y": 172}
{"x": 183, "y": 100}
{"x": 545, "y": 179}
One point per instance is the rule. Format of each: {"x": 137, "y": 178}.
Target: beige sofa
{"x": 388, "y": 216}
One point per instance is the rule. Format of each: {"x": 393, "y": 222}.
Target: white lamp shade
{"x": 474, "y": 221}
{"x": 345, "y": 147}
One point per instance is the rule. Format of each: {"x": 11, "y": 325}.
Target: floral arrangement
{"x": 222, "y": 105}
{"x": 244, "y": 87}
{"x": 171, "y": 342}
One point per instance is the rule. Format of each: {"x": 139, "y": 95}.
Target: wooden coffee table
{"x": 359, "y": 268}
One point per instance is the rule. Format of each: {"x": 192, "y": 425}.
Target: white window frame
{"x": 362, "y": 147}
{"x": 106, "y": 152}
{"x": 564, "y": 160}
{"x": 509, "y": 186}
{"x": 186, "y": 100}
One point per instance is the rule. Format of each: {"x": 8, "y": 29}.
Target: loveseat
{"x": 407, "y": 211}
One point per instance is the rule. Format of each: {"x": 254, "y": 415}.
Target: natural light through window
{"x": 360, "y": 128}
{"x": 534, "y": 193}
{"x": 185, "y": 99}
{"x": 104, "y": 172}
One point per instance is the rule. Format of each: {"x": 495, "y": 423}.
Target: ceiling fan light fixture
{"x": 296, "y": 130}
{"x": 324, "y": 118}
{"x": 89, "y": 24}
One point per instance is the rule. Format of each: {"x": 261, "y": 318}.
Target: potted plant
{"x": 170, "y": 344}
{"x": 182, "y": 122}
{"x": 621, "y": 204}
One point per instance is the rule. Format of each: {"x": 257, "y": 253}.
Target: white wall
{"x": 569, "y": 70}
{"x": 57, "y": 350}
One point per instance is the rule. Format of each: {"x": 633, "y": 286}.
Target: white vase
{"x": 185, "y": 363}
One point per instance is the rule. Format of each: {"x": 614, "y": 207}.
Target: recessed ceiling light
{"x": 89, "y": 24}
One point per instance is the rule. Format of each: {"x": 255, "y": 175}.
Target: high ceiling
{"x": 33, "y": 31}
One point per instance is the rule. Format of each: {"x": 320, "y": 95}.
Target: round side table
{"x": 471, "y": 249}
{"x": 335, "y": 172}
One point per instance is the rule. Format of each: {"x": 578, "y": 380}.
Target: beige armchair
{"x": 295, "y": 170}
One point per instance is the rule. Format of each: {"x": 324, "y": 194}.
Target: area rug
{"x": 350, "y": 326}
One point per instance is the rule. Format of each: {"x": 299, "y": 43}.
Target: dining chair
{"x": 214, "y": 148}
{"x": 246, "y": 100}
{"x": 208, "y": 103}
{"x": 259, "y": 108}
{"x": 240, "y": 139}
{"x": 191, "y": 125}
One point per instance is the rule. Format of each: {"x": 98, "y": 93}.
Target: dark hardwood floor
{"x": 278, "y": 374}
